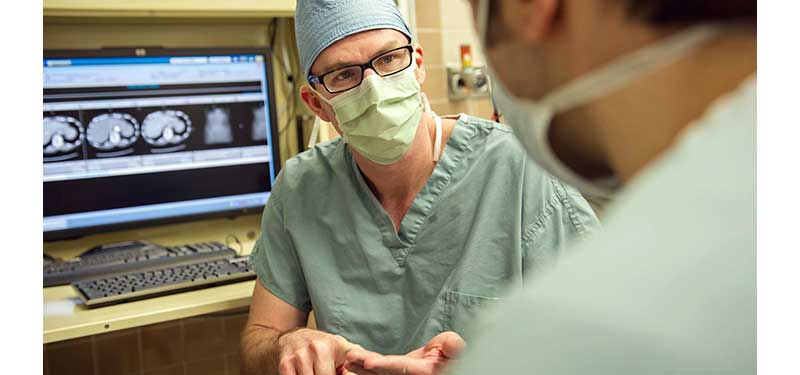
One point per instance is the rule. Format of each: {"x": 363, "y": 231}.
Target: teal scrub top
{"x": 486, "y": 219}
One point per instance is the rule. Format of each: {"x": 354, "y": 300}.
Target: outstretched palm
{"x": 430, "y": 359}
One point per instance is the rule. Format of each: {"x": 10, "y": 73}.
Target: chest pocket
{"x": 461, "y": 310}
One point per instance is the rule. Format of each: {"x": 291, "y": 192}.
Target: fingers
{"x": 360, "y": 355}
{"x": 323, "y": 358}
{"x": 286, "y": 366}
{"x": 356, "y": 359}
{"x": 304, "y": 362}
{"x": 342, "y": 348}
{"x": 356, "y": 369}
{"x": 309, "y": 352}
{"x": 316, "y": 360}
{"x": 451, "y": 344}
{"x": 399, "y": 365}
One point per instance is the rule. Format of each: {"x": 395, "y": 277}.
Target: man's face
{"x": 355, "y": 49}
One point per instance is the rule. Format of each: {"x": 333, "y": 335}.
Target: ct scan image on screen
{"x": 133, "y": 139}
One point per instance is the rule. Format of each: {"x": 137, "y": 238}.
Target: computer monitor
{"x": 135, "y": 137}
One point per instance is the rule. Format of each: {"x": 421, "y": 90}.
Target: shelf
{"x": 169, "y": 8}
{"x": 65, "y": 318}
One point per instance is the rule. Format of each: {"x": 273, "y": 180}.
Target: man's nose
{"x": 368, "y": 72}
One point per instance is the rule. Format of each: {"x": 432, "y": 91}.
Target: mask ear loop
{"x": 314, "y": 132}
{"x": 312, "y": 140}
{"x": 437, "y": 145}
{"x": 426, "y": 105}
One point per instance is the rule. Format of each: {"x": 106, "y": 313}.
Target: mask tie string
{"x": 312, "y": 140}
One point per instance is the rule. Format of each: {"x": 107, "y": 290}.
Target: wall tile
{"x": 428, "y": 14}
{"x": 483, "y": 108}
{"x": 117, "y": 352}
{"x": 312, "y": 320}
{"x": 211, "y": 366}
{"x": 203, "y": 337}
{"x": 45, "y": 369}
{"x": 435, "y": 85}
{"x": 456, "y": 15}
{"x": 431, "y": 42}
{"x": 446, "y": 107}
{"x": 451, "y": 46}
{"x": 440, "y": 107}
{"x": 233, "y": 364}
{"x": 234, "y": 325}
{"x": 162, "y": 345}
{"x": 170, "y": 370}
{"x": 72, "y": 357}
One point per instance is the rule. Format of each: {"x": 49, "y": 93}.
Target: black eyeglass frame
{"x": 320, "y": 79}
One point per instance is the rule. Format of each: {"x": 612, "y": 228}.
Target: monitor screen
{"x": 145, "y": 136}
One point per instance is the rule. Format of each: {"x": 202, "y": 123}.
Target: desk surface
{"x": 65, "y": 318}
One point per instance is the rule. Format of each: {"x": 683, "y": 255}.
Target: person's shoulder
{"x": 498, "y": 138}
{"x": 494, "y": 147}
{"x": 488, "y": 125}
{"x": 313, "y": 167}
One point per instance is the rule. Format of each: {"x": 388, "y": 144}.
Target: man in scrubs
{"x": 653, "y": 102}
{"x": 398, "y": 232}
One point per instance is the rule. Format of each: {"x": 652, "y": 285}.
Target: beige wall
{"x": 442, "y": 26}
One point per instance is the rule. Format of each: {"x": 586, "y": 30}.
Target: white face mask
{"x": 531, "y": 119}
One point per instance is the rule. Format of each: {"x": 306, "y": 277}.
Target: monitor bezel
{"x": 160, "y": 52}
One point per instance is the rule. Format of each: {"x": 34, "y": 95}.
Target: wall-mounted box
{"x": 465, "y": 83}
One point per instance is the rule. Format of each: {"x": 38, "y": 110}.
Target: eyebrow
{"x": 386, "y": 47}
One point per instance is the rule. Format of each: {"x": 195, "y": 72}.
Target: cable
{"x": 290, "y": 108}
{"x": 274, "y": 32}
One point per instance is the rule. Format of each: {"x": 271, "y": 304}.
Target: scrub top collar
{"x": 445, "y": 172}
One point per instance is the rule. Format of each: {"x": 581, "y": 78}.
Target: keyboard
{"x": 159, "y": 281}
{"x": 129, "y": 257}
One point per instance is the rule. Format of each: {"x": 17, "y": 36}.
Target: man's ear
{"x": 420, "y": 62}
{"x": 313, "y": 103}
{"x": 531, "y": 20}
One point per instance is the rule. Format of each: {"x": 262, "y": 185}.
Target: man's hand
{"x": 430, "y": 359}
{"x": 311, "y": 352}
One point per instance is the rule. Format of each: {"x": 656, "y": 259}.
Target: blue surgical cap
{"x": 320, "y": 23}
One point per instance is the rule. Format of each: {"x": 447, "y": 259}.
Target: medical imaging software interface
{"x": 130, "y": 139}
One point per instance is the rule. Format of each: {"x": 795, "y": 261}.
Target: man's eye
{"x": 344, "y": 76}
{"x": 387, "y": 60}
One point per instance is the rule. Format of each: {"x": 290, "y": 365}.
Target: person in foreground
{"x": 652, "y": 102}
{"x": 398, "y": 232}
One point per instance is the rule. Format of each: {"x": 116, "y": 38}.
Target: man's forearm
{"x": 260, "y": 350}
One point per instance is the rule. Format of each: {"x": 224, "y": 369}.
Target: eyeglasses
{"x": 385, "y": 64}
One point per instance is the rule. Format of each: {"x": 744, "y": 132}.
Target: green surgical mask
{"x": 379, "y": 118}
